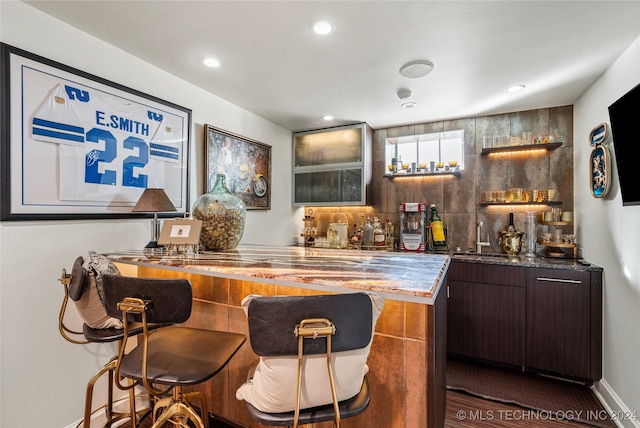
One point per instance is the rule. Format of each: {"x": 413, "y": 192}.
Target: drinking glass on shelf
{"x": 486, "y": 141}
{"x": 534, "y": 196}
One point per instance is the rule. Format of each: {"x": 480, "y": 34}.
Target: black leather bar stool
{"x": 171, "y": 357}
{"x": 328, "y": 338}
{"x": 76, "y": 288}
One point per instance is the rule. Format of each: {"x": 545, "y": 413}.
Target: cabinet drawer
{"x": 514, "y": 276}
{"x": 558, "y": 276}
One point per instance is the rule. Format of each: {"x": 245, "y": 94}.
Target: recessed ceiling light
{"x": 515, "y": 88}
{"x": 327, "y": 117}
{"x": 415, "y": 69}
{"x": 322, "y": 27}
{"x": 409, "y": 104}
{"x": 211, "y": 62}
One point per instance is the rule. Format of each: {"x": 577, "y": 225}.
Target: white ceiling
{"x": 275, "y": 66}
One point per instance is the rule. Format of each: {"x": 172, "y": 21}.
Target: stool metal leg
{"x": 110, "y": 415}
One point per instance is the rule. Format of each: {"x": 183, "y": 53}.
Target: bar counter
{"x": 408, "y": 356}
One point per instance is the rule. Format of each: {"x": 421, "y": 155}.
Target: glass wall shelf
{"x": 516, "y": 204}
{"x": 546, "y": 146}
{"x": 423, "y": 174}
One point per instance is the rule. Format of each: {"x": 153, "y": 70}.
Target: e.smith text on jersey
{"x": 122, "y": 123}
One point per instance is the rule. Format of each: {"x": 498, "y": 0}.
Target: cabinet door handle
{"x": 571, "y": 281}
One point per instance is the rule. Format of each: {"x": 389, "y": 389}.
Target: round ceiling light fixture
{"x": 211, "y": 62}
{"x": 409, "y": 104}
{"x": 322, "y": 28}
{"x": 515, "y": 88}
{"x": 415, "y": 69}
{"x": 327, "y": 117}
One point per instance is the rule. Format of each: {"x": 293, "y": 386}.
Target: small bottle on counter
{"x": 378, "y": 234}
{"x": 354, "y": 235}
{"x": 438, "y": 237}
{"x": 367, "y": 235}
{"x": 388, "y": 233}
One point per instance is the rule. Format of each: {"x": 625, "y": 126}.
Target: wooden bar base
{"x": 407, "y": 364}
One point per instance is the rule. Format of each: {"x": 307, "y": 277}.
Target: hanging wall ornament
{"x": 599, "y": 162}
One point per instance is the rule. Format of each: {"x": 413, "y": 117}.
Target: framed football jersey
{"x": 75, "y": 145}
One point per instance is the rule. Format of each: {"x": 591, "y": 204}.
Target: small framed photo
{"x": 245, "y": 163}
{"x": 180, "y": 232}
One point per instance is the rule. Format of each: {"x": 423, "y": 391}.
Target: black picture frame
{"x": 77, "y": 146}
{"x": 245, "y": 163}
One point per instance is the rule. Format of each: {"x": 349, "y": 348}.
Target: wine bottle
{"x": 438, "y": 237}
{"x": 511, "y": 227}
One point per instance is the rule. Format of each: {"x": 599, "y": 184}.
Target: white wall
{"x": 610, "y": 236}
{"x": 43, "y": 376}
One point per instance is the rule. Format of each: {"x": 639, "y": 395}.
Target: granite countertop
{"x": 538, "y": 262}
{"x": 396, "y": 275}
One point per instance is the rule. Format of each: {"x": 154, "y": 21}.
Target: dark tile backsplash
{"x": 458, "y": 199}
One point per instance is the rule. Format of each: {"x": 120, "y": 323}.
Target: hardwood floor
{"x": 467, "y": 411}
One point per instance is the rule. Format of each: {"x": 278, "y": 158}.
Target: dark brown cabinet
{"x": 564, "y": 318}
{"x": 541, "y": 319}
{"x": 486, "y": 312}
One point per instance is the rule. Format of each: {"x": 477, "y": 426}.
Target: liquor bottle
{"x": 388, "y": 233}
{"x": 438, "y": 237}
{"x": 511, "y": 227}
{"x": 367, "y": 235}
{"x": 378, "y": 234}
{"x": 354, "y": 235}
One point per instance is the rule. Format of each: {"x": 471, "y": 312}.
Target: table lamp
{"x": 154, "y": 200}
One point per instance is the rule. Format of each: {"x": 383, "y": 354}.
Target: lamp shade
{"x": 153, "y": 200}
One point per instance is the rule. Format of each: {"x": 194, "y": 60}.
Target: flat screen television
{"x": 624, "y": 116}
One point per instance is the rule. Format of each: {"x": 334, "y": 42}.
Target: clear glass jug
{"x": 530, "y": 234}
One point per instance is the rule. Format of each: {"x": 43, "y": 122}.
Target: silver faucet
{"x": 479, "y": 243}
